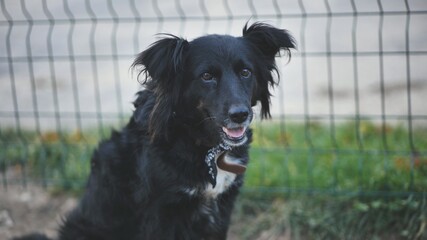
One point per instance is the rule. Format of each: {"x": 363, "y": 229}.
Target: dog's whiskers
{"x": 205, "y": 119}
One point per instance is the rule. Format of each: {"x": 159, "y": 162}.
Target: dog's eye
{"x": 207, "y": 77}
{"x": 245, "y": 73}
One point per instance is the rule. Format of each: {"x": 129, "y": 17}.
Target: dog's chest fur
{"x": 224, "y": 180}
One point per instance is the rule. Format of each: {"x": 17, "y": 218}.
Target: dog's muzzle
{"x": 234, "y": 129}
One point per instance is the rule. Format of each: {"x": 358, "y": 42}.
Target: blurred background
{"x": 344, "y": 157}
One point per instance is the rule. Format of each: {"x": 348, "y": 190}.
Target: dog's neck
{"x": 211, "y": 156}
{"x": 215, "y": 158}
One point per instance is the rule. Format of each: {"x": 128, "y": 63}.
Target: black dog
{"x": 175, "y": 170}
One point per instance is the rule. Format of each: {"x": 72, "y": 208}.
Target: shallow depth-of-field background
{"x": 344, "y": 156}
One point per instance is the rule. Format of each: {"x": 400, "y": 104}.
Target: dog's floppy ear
{"x": 162, "y": 66}
{"x": 268, "y": 41}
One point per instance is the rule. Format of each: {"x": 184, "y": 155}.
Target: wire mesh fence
{"x": 349, "y": 116}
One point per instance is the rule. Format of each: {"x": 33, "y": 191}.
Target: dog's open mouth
{"x": 234, "y": 133}
{"x": 234, "y": 136}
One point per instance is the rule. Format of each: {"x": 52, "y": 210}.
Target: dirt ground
{"x": 34, "y": 209}
{"x": 31, "y": 209}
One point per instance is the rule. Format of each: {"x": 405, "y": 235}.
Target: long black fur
{"x": 149, "y": 180}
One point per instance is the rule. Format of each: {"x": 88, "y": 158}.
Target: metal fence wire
{"x": 349, "y": 115}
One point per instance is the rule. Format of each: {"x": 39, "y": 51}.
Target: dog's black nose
{"x": 238, "y": 114}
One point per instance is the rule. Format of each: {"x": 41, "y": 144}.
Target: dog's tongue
{"x": 234, "y": 132}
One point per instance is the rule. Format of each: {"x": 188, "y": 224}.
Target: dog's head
{"x": 209, "y": 85}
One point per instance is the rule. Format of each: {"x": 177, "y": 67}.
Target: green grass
{"x": 313, "y": 185}
{"x": 284, "y": 158}
{"x": 60, "y": 161}
{"x": 361, "y": 182}
{"x": 329, "y": 217}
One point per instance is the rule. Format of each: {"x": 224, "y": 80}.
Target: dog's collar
{"x": 217, "y": 153}
{"x": 210, "y": 158}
